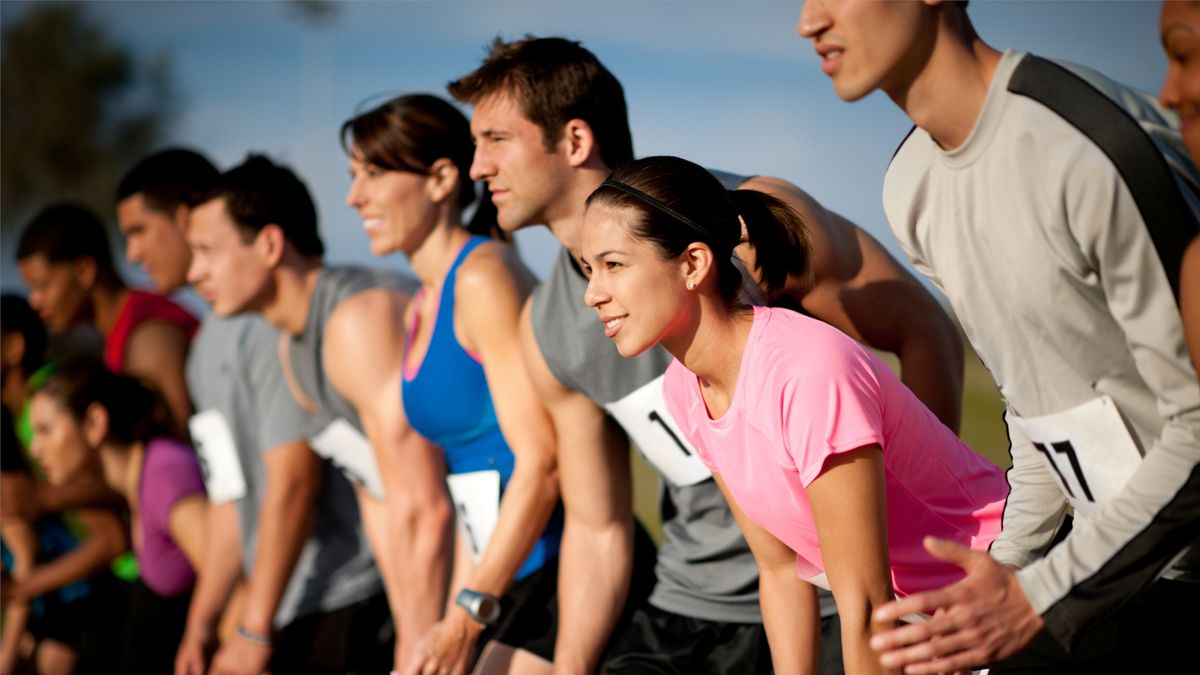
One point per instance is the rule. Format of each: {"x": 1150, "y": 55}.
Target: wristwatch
{"x": 483, "y": 607}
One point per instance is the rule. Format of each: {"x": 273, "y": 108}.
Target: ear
{"x": 270, "y": 244}
{"x": 697, "y": 264}
{"x": 12, "y": 349}
{"x": 443, "y": 179}
{"x": 85, "y": 272}
{"x": 182, "y": 213}
{"x": 578, "y": 141}
{"x": 95, "y": 425}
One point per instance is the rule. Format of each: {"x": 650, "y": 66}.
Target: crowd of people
{"x": 341, "y": 469}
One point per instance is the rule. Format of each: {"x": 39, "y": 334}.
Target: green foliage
{"x": 76, "y": 110}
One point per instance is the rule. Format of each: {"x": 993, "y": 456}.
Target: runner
{"x": 802, "y": 427}
{"x": 549, "y": 123}
{"x": 277, "y": 517}
{"x": 465, "y": 384}
{"x": 256, "y": 248}
{"x": 1180, "y": 30}
{"x": 65, "y": 259}
{"x": 86, "y": 416}
{"x": 1052, "y": 206}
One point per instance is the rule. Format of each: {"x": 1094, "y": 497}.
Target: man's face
{"x": 58, "y": 291}
{"x": 866, "y": 45}
{"x": 227, "y": 270}
{"x": 156, "y": 241}
{"x": 525, "y": 180}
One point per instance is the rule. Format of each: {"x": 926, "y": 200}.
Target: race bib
{"x": 1088, "y": 449}
{"x": 216, "y": 453}
{"x": 346, "y": 448}
{"x": 643, "y": 414}
{"x": 476, "y": 498}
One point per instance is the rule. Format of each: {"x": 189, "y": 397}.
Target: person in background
{"x": 86, "y": 417}
{"x": 465, "y": 385}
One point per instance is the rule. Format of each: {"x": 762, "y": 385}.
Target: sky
{"x": 726, "y": 84}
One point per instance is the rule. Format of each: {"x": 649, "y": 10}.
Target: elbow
{"x": 423, "y": 523}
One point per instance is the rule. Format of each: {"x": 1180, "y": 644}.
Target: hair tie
{"x": 634, "y": 192}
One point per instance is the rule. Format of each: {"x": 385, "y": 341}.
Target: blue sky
{"x": 726, "y": 84}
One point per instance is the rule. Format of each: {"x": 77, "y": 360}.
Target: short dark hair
{"x": 410, "y": 133}
{"x": 554, "y": 80}
{"x": 693, "y": 206}
{"x": 259, "y": 192}
{"x": 169, "y": 178}
{"x": 16, "y": 316}
{"x": 64, "y": 233}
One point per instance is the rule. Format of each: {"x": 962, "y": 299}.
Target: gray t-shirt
{"x": 237, "y": 385}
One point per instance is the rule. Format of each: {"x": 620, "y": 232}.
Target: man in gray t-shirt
{"x": 301, "y": 550}
{"x": 549, "y": 123}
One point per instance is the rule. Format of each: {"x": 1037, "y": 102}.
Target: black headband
{"x": 634, "y": 192}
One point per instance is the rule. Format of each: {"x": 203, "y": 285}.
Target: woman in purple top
{"x": 86, "y": 417}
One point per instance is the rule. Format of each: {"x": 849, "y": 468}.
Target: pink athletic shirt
{"x": 169, "y": 473}
{"x": 804, "y": 392}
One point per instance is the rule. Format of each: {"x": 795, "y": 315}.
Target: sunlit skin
{"x": 396, "y": 208}
{"x": 526, "y": 181}
{"x": 154, "y": 240}
{"x": 640, "y": 299}
{"x": 228, "y": 271}
{"x": 58, "y": 291}
{"x": 58, "y": 441}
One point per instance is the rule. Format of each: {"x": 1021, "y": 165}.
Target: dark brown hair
{"x": 136, "y": 413}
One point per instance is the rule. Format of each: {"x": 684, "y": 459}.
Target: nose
{"x": 814, "y": 19}
{"x": 1169, "y": 96}
{"x": 595, "y": 294}
{"x": 195, "y": 271}
{"x": 354, "y": 194}
{"x": 133, "y": 253}
{"x": 481, "y": 165}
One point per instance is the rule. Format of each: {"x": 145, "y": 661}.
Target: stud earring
{"x": 691, "y": 285}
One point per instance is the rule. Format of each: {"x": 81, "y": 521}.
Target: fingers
{"x": 949, "y": 551}
{"x": 918, "y": 603}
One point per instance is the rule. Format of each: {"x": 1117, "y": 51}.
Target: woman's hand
{"x": 447, "y": 648}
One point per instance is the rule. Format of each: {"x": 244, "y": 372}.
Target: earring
{"x": 691, "y": 285}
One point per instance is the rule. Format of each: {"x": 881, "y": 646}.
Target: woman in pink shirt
{"x": 835, "y": 471}
{"x": 86, "y": 417}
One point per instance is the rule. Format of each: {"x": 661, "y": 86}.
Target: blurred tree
{"x": 76, "y": 111}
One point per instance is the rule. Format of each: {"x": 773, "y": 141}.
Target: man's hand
{"x": 240, "y": 656}
{"x": 979, "y": 620}
{"x": 447, "y": 647}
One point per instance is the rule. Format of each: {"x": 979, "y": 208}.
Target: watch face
{"x": 488, "y": 609}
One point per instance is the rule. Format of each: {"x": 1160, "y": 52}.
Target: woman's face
{"x": 58, "y": 441}
{"x": 57, "y": 290}
{"x": 396, "y": 207}
{"x": 1180, "y": 30}
{"x": 640, "y": 298}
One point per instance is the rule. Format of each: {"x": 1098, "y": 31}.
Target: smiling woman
{"x": 834, "y": 469}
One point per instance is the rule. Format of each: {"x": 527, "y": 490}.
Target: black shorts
{"x": 153, "y": 629}
{"x": 656, "y": 642}
{"x": 529, "y": 613}
{"x": 90, "y": 625}
{"x": 357, "y": 638}
{"x": 1154, "y": 632}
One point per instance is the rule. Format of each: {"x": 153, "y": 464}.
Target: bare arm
{"x": 21, "y": 540}
{"x": 862, "y": 291}
{"x": 187, "y": 525}
{"x": 596, "y": 559}
{"x": 1189, "y": 299}
{"x": 850, "y": 511}
{"x": 222, "y": 568}
{"x": 156, "y": 352}
{"x": 105, "y": 540}
{"x": 790, "y": 611}
{"x": 28, "y": 498}
{"x": 363, "y": 355}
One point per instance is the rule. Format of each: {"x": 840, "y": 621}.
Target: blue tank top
{"x": 447, "y": 400}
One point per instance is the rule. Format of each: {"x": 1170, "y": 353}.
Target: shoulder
{"x": 367, "y": 311}
{"x": 491, "y": 263}
{"x": 796, "y": 351}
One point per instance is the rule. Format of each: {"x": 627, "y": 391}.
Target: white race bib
{"x": 643, "y": 414}
{"x": 476, "y": 498}
{"x": 1088, "y": 449}
{"x": 347, "y": 449}
{"x": 217, "y": 455}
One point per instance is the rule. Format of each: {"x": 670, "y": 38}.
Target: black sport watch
{"x": 483, "y": 607}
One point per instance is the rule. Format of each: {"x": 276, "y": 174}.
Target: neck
{"x": 947, "y": 93}
{"x": 290, "y": 295}
{"x": 432, "y": 258}
{"x": 712, "y": 347}
{"x": 106, "y": 307}
{"x": 566, "y": 221}
{"x": 123, "y": 469}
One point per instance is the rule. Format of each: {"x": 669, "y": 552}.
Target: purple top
{"x": 169, "y": 473}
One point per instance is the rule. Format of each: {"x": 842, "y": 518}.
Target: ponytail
{"x": 779, "y": 239}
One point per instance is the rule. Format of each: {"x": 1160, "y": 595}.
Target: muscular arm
{"x": 156, "y": 352}
{"x": 363, "y": 355}
{"x": 596, "y": 560}
{"x": 790, "y": 611}
{"x": 222, "y": 567}
{"x": 863, "y": 292}
{"x": 851, "y": 516}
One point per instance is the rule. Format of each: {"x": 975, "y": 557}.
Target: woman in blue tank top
{"x": 465, "y": 384}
